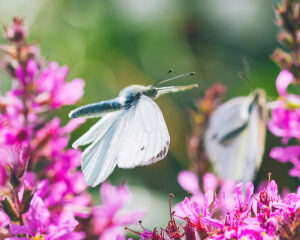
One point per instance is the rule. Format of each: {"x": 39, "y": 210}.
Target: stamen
{"x": 170, "y": 206}
{"x": 269, "y": 176}
{"x": 131, "y": 230}
{"x": 189, "y": 195}
{"x": 140, "y": 222}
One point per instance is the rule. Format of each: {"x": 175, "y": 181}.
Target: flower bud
{"x": 9, "y": 209}
{"x": 282, "y": 58}
{"x": 16, "y": 32}
{"x": 14, "y": 179}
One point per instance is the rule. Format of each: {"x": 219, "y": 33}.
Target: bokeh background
{"x": 114, "y": 43}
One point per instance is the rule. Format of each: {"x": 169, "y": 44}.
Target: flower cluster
{"x": 264, "y": 215}
{"x": 42, "y": 193}
{"x": 285, "y": 115}
{"x": 285, "y": 123}
{"x": 261, "y": 215}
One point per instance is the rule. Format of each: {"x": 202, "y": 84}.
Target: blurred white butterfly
{"x": 131, "y": 132}
{"x": 235, "y": 136}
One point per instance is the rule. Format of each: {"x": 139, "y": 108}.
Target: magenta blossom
{"x": 285, "y": 122}
{"x": 41, "y": 225}
{"x": 258, "y": 216}
{"x": 107, "y": 221}
{"x": 52, "y": 81}
{"x": 189, "y": 182}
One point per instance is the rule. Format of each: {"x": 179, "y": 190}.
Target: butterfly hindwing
{"x": 100, "y": 158}
{"x": 97, "y": 130}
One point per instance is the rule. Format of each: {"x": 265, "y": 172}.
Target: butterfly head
{"x": 150, "y": 91}
{"x": 259, "y": 96}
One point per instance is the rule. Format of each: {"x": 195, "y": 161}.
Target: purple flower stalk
{"x": 43, "y": 194}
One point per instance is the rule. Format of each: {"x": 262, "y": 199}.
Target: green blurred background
{"x": 114, "y": 43}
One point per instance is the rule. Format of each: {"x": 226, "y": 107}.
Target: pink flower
{"x": 248, "y": 215}
{"x": 52, "y": 81}
{"x": 285, "y": 122}
{"x": 284, "y": 79}
{"x": 189, "y": 182}
{"x": 40, "y": 223}
{"x": 107, "y": 222}
{"x": 16, "y": 32}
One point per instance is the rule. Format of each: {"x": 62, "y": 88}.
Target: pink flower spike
{"x": 284, "y": 79}
{"x": 189, "y": 181}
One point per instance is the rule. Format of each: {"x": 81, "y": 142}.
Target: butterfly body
{"x": 132, "y": 132}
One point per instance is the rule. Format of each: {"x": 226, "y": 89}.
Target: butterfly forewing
{"x": 227, "y": 119}
{"x": 235, "y": 139}
{"x": 147, "y": 136}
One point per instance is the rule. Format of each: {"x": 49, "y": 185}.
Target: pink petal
{"x": 4, "y": 219}
{"x": 102, "y": 217}
{"x": 210, "y": 182}
{"x": 213, "y": 222}
{"x": 20, "y": 229}
{"x": 273, "y": 189}
{"x": 128, "y": 219}
{"x": 112, "y": 195}
{"x": 32, "y": 68}
{"x": 73, "y": 124}
{"x": 250, "y": 190}
{"x": 285, "y": 154}
{"x": 279, "y": 154}
{"x": 112, "y": 233}
{"x": 284, "y": 79}
{"x": 70, "y": 92}
{"x": 189, "y": 181}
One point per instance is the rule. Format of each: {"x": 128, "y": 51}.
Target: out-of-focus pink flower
{"x": 248, "y": 215}
{"x": 42, "y": 189}
{"x": 285, "y": 122}
{"x": 52, "y": 80}
{"x": 189, "y": 182}
{"x": 15, "y": 159}
{"x": 16, "y": 32}
{"x": 107, "y": 221}
{"x": 40, "y": 225}
{"x": 284, "y": 79}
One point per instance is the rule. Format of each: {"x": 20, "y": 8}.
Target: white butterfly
{"x": 235, "y": 136}
{"x": 131, "y": 132}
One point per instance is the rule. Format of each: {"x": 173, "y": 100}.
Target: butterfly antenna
{"x": 246, "y": 73}
{"x": 176, "y": 77}
{"x": 163, "y": 76}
